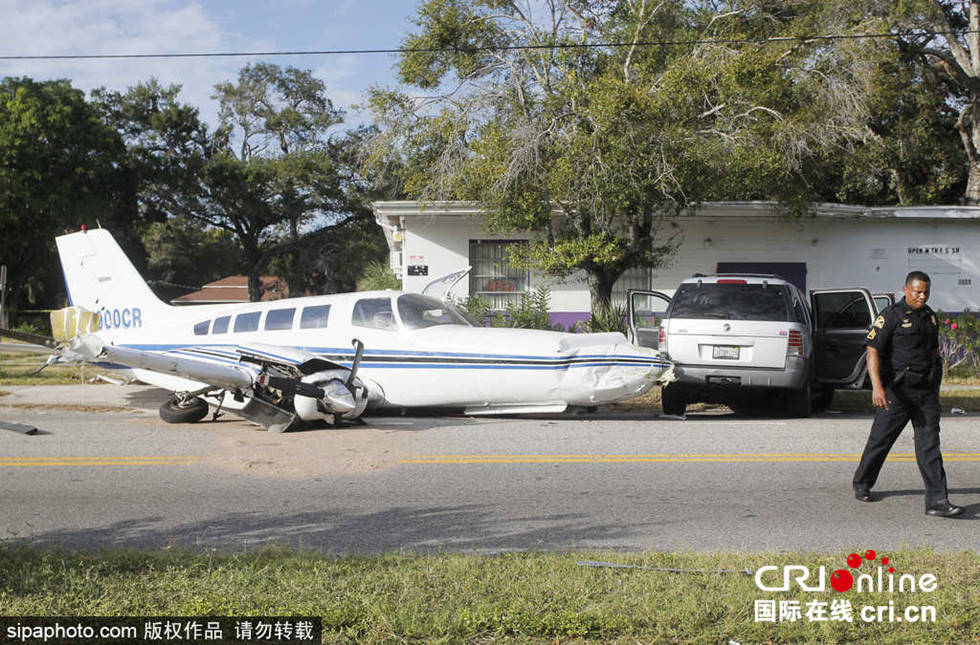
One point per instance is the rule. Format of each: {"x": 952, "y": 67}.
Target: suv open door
{"x": 841, "y": 320}
{"x": 645, "y": 311}
{"x": 883, "y": 300}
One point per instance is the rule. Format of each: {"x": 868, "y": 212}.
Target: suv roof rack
{"x": 744, "y": 275}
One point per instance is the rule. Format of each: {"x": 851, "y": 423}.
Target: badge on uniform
{"x": 880, "y": 322}
{"x": 872, "y": 334}
{"x": 934, "y": 320}
{"x": 906, "y": 323}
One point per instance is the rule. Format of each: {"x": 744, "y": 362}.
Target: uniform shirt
{"x": 905, "y": 338}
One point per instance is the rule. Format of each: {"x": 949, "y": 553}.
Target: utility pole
{"x": 3, "y": 295}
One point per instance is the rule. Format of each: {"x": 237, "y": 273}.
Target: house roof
{"x": 234, "y": 288}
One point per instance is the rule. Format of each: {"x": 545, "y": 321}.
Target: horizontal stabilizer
{"x": 34, "y": 339}
{"x": 73, "y": 321}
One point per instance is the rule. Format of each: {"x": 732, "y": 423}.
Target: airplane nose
{"x": 629, "y": 372}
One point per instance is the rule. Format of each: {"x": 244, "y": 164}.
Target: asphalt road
{"x": 104, "y": 471}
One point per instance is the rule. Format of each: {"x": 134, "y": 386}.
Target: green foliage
{"x": 57, "y": 171}
{"x": 270, "y": 177}
{"x": 509, "y": 598}
{"x": 182, "y": 251}
{"x": 480, "y": 311}
{"x": 605, "y": 318}
{"x": 959, "y": 340}
{"x": 598, "y": 146}
{"x": 378, "y": 276}
{"x": 530, "y": 312}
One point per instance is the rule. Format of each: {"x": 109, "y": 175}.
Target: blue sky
{"x": 56, "y": 27}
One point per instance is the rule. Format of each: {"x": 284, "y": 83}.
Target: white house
{"x": 838, "y": 245}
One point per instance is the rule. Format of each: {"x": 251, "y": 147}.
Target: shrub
{"x": 959, "y": 340}
{"x": 605, "y": 318}
{"x": 530, "y": 313}
{"x": 378, "y": 276}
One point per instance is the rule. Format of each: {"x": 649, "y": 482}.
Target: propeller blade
{"x": 358, "y": 353}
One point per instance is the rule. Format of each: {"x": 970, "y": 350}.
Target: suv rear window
{"x": 731, "y": 302}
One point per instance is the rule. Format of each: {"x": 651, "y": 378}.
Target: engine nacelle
{"x": 337, "y": 399}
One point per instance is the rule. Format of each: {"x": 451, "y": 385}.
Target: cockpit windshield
{"x": 418, "y": 311}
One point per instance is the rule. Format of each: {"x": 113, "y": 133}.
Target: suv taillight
{"x": 794, "y": 346}
{"x": 662, "y": 338}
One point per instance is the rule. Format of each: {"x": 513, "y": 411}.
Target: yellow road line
{"x": 35, "y": 462}
{"x": 667, "y": 458}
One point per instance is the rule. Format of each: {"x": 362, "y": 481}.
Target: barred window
{"x": 492, "y": 277}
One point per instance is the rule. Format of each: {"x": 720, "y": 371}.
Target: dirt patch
{"x": 244, "y": 448}
{"x": 66, "y": 407}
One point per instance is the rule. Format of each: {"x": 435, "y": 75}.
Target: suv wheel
{"x": 798, "y": 402}
{"x": 672, "y": 400}
{"x": 823, "y": 399}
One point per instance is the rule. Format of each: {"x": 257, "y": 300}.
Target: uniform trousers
{"x": 921, "y": 406}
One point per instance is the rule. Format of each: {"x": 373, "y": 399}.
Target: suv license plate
{"x": 724, "y": 351}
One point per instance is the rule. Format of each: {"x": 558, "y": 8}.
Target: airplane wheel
{"x": 172, "y": 411}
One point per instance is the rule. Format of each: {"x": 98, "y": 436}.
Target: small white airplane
{"x": 331, "y": 357}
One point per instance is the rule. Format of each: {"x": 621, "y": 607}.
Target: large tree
{"x": 946, "y": 35}
{"x": 596, "y": 120}
{"x": 58, "y": 170}
{"x": 273, "y": 174}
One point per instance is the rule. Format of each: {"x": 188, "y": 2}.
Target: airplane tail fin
{"x": 101, "y": 279}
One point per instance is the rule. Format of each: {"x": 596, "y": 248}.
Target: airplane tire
{"x": 173, "y": 412}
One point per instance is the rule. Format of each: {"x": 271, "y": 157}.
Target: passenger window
{"x": 247, "y": 322}
{"x": 201, "y": 328}
{"x": 374, "y": 313}
{"x": 314, "y": 317}
{"x": 220, "y": 325}
{"x": 843, "y": 310}
{"x": 277, "y": 319}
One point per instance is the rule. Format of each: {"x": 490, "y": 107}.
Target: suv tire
{"x": 672, "y": 400}
{"x": 823, "y": 399}
{"x": 798, "y": 402}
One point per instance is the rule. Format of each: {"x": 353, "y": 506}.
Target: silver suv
{"x": 750, "y": 340}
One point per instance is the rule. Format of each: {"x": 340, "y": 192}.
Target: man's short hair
{"x": 917, "y": 275}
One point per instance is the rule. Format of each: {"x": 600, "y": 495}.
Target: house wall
{"x": 849, "y": 249}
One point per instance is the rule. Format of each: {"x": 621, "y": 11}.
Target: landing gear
{"x": 183, "y": 410}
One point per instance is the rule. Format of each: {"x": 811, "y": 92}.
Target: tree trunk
{"x": 601, "y": 282}
{"x": 972, "y": 194}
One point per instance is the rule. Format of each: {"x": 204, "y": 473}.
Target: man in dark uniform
{"x": 905, "y": 371}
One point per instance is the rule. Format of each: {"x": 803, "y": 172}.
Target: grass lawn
{"x": 512, "y": 597}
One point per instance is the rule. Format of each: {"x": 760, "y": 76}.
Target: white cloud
{"x": 82, "y": 27}
{"x": 49, "y": 27}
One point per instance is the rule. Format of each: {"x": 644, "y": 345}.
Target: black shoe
{"x": 864, "y": 495}
{"x": 946, "y": 510}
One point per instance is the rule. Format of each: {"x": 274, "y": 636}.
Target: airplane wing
{"x": 280, "y": 383}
